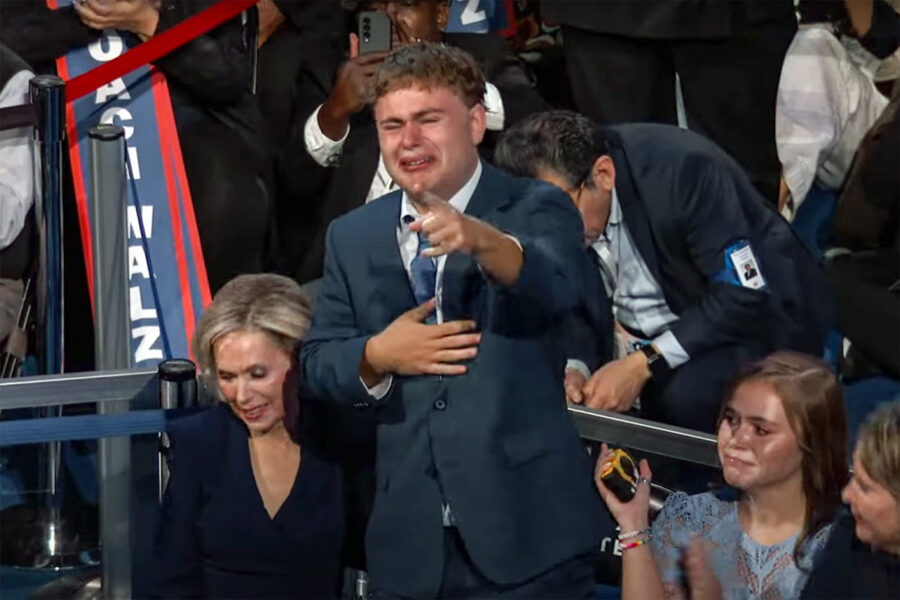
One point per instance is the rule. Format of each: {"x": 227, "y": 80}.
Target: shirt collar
{"x": 613, "y": 221}
{"x": 615, "y": 210}
{"x": 459, "y": 201}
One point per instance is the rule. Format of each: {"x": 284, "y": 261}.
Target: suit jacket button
{"x": 439, "y": 404}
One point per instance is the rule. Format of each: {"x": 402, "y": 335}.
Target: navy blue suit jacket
{"x": 685, "y": 202}
{"x": 496, "y": 443}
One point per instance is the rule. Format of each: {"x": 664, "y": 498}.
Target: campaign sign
{"x": 168, "y": 287}
{"x": 479, "y": 16}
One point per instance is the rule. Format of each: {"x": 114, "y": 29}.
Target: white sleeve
{"x": 323, "y": 149}
{"x": 493, "y": 107}
{"x": 578, "y": 365}
{"x": 810, "y": 109}
{"x": 671, "y": 349}
{"x": 17, "y": 165}
{"x": 380, "y": 389}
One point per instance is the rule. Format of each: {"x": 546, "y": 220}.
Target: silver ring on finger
{"x": 643, "y": 479}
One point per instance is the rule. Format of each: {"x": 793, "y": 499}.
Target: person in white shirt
{"x": 827, "y": 101}
{"x": 17, "y": 188}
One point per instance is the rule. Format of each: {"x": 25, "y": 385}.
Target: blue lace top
{"x": 745, "y": 568}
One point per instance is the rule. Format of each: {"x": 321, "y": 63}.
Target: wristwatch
{"x": 656, "y": 362}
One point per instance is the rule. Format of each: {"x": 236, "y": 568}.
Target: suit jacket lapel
{"x": 383, "y": 254}
{"x": 634, "y": 214}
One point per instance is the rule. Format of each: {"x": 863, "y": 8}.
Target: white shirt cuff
{"x": 323, "y": 149}
{"x": 493, "y": 106}
{"x": 380, "y": 389}
{"x": 671, "y": 349}
{"x": 574, "y": 363}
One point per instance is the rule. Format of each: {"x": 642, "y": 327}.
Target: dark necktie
{"x": 423, "y": 271}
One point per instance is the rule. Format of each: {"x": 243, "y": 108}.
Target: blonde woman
{"x": 862, "y": 557}
{"x": 251, "y": 510}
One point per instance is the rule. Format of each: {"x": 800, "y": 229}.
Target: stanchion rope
{"x": 87, "y": 427}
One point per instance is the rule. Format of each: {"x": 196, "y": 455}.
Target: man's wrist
{"x": 371, "y": 368}
{"x": 333, "y": 119}
{"x": 641, "y": 365}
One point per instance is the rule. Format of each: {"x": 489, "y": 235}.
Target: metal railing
{"x": 123, "y": 387}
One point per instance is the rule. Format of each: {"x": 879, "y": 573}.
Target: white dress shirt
{"x": 408, "y": 242}
{"x": 17, "y": 166}
{"x": 637, "y": 298}
{"x": 825, "y": 105}
{"x": 327, "y": 152}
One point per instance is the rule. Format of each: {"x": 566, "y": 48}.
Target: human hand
{"x": 137, "y": 16}
{"x": 574, "y": 382}
{"x": 409, "y": 347}
{"x": 270, "y": 19}
{"x": 633, "y": 515}
{"x": 447, "y": 229}
{"x": 701, "y": 578}
{"x": 352, "y": 86}
{"x": 617, "y": 384}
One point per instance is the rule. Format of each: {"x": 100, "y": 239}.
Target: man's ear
{"x": 603, "y": 174}
{"x": 443, "y": 14}
{"x": 477, "y": 123}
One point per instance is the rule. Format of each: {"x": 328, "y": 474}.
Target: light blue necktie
{"x": 424, "y": 275}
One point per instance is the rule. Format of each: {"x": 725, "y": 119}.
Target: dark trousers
{"x": 461, "y": 579}
{"x": 728, "y": 85}
{"x": 692, "y": 395}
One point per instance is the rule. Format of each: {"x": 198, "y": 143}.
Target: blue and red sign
{"x": 168, "y": 287}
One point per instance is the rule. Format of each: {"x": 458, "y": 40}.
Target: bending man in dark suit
{"x": 436, "y": 312}
{"x": 704, "y": 276}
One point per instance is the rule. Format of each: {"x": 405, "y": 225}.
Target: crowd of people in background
{"x": 683, "y": 211}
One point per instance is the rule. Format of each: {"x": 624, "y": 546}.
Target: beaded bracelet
{"x": 637, "y": 543}
{"x": 631, "y": 534}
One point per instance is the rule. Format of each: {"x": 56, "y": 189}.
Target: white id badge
{"x": 746, "y": 266}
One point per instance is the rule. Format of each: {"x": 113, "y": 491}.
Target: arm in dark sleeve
{"x": 38, "y": 34}
{"x": 214, "y": 68}
{"x": 176, "y": 555}
{"x": 713, "y": 220}
{"x": 588, "y": 329}
{"x": 334, "y": 345}
{"x": 551, "y": 235}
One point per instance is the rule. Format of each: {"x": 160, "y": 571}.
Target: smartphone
{"x": 374, "y": 32}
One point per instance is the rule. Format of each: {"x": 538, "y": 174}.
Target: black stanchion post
{"x": 112, "y": 338}
{"x": 112, "y": 347}
{"x": 48, "y": 96}
{"x": 177, "y": 389}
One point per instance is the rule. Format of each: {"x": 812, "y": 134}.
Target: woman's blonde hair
{"x": 878, "y": 447}
{"x": 268, "y": 303}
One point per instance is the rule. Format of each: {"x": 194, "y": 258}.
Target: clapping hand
{"x": 137, "y": 16}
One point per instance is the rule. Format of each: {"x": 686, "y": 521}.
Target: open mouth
{"x": 254, "y": 413}
{"x": 416, "y": 164}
